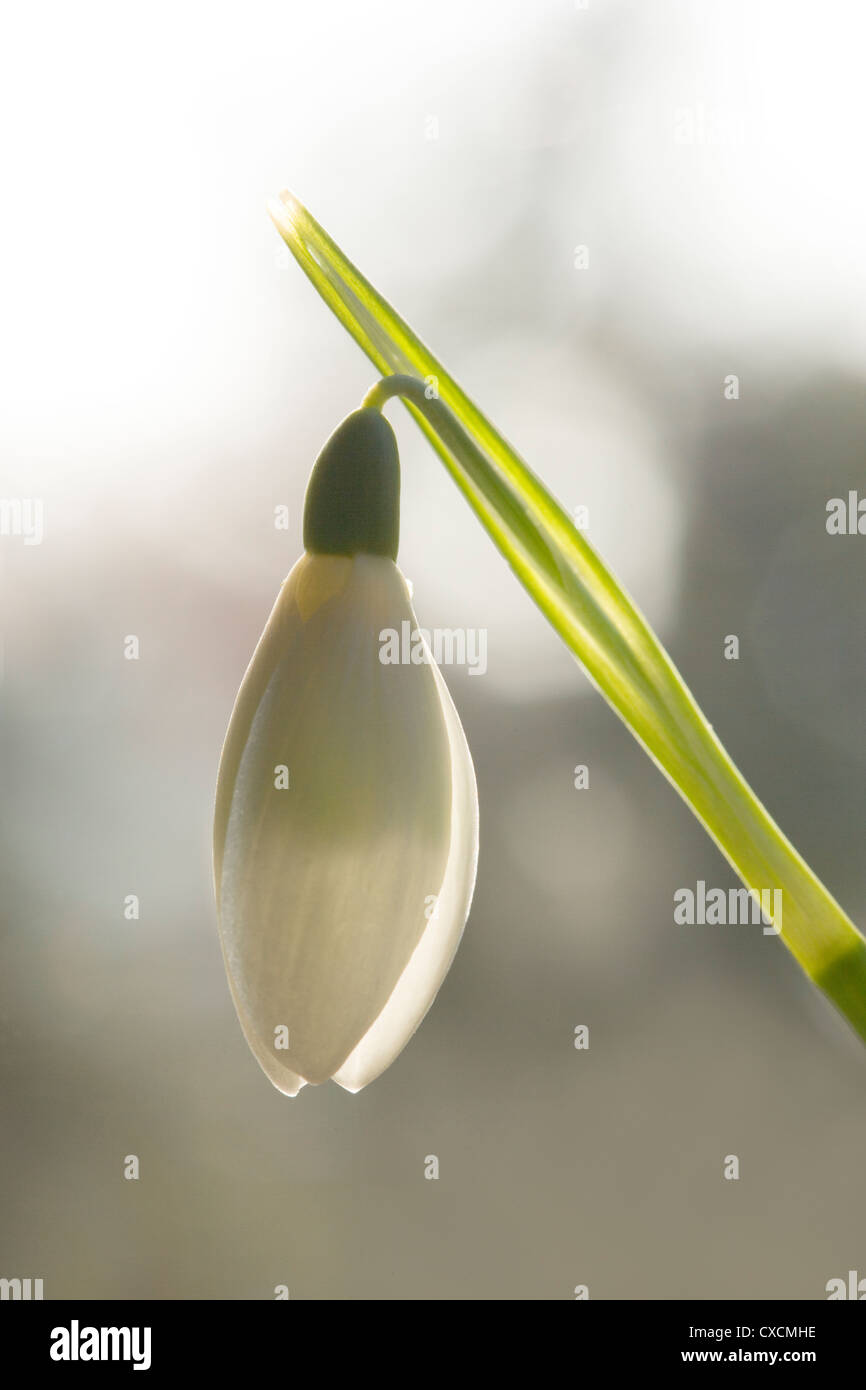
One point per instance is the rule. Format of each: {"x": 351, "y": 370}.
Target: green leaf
{"x": 593, "y": 615}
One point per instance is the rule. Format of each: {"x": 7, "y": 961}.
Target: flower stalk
{"x": 593, "y": 614}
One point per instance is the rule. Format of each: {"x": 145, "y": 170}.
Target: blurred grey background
{"x": 167, "y": 378}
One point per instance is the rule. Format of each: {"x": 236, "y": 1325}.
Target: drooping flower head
{"x": 346, "y": 825}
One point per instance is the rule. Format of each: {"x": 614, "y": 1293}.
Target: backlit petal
{"x": 322, "y": 886}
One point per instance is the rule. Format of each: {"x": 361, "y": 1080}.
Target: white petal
{"x": 322, "y": 887}
{"x": 418, "y": 985}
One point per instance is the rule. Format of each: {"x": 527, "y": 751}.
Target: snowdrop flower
{"x": 346, "y": 826}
